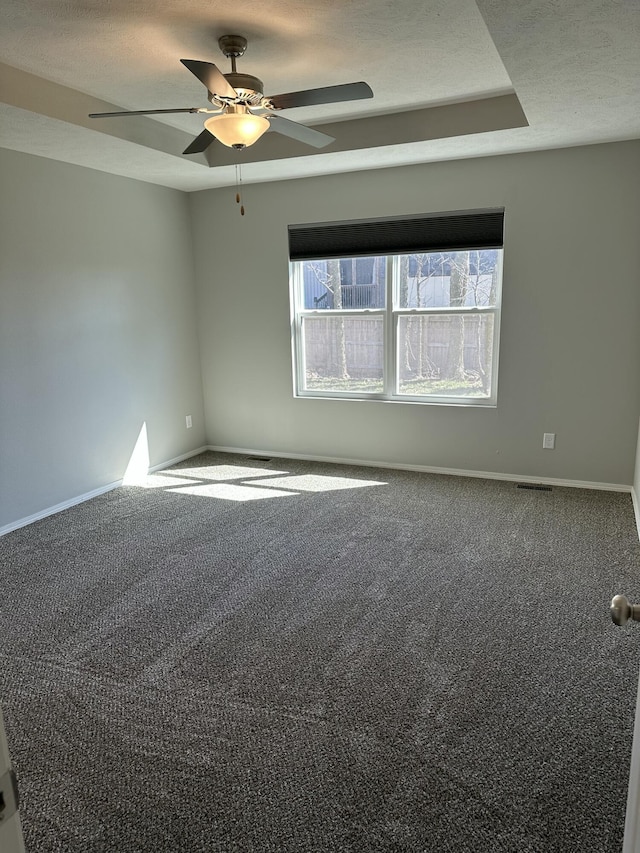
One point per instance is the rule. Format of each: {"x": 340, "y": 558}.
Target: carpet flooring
{"x": 246, "y": 654}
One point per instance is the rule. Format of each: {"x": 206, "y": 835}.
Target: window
{"x": 417, "y": 321}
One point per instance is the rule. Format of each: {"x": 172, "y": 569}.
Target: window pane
{"x": 343, "y": 283}
{"x": 343, "y": 353}
{"x": 445, "y": 355}
{"x": 447, "y": 279}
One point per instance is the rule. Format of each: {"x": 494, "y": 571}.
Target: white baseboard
{"x": 51, "y": 510}
{"x": 78, "y": 499}
{"x": 425, "y": 469}
{"x": 177, "y": 459}
{"x": 636, "y": 509}
{"x": 430, "y": 469}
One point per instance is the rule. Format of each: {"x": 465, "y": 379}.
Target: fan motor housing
{"x": 246, "y": 85}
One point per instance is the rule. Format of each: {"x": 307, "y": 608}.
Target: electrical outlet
{"x": 189, "y": 421}
{"x": 549, "y": 441}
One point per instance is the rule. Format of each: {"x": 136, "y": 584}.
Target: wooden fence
{"x": 356, "y": 343}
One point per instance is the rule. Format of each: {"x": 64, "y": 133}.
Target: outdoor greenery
{"x": 469, "y": 387}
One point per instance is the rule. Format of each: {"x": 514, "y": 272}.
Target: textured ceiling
{"x": 461, "y": 78}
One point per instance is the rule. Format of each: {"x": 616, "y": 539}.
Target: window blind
{"x": 452, "y": 231}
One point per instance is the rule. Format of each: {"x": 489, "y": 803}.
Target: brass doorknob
{"x": 622, "y": 610}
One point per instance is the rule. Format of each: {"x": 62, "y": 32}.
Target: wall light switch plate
{"x": 549, "y": 440}
{"x": 189, "y": 421}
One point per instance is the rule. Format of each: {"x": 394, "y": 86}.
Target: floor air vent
{"x": 534, "y": 488}
{"x": 259, "y": 458}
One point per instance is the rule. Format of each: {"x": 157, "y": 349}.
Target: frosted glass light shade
{"x": 237, "y": 129}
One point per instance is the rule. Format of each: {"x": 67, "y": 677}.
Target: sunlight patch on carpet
{"x": 160, "y": 481}
{"x": 225, "y": 472}
{"x": 228, "y": 492}
{"x": 319, "y": 483}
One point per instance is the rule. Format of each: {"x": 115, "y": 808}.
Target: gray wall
{"x": 570, "y": 349}
{"x": 636, "y": 476}
{"x": 98, "y": 323}
{"x": 97, "y": 330}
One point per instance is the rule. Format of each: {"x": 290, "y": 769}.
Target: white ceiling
{"x": 460, "y": 75}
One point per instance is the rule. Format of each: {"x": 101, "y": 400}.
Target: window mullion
{"x": 389, "y": 331}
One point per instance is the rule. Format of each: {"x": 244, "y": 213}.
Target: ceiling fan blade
{"x": 300, "y": 132}
{"x": 213, "y": 79}
{"x": 200, "y": 143}
{"x": 325, "y": 95}
{"x": 145, "y": 112}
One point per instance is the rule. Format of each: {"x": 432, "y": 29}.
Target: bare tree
{"x": 428, "y": 267}
{"x": 482, "y": 288}
{"x": 485, "y": 344}
{"x": 458, "y": 287}
{"x": 335, "y": 286}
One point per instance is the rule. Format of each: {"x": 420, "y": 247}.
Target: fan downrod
{"x": 248, "y": 87}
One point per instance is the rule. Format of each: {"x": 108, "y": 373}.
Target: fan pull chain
{"x": 239, "y": 188}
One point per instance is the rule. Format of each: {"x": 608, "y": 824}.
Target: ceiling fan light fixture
{"x": 236, "y": 127}
{"x": 235, "y": 95}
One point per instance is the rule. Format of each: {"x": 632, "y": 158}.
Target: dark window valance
{"x": 430, "y": 232}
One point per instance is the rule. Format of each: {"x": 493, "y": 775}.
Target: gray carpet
{"x": 413, "y": 663}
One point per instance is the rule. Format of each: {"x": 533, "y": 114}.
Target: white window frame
{"x": 391, "y": 318}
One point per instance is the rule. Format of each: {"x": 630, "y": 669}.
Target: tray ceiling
{"x": 451, "y": 79}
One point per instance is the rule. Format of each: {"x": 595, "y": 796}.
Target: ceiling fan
{"x": 241, "y": 112}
